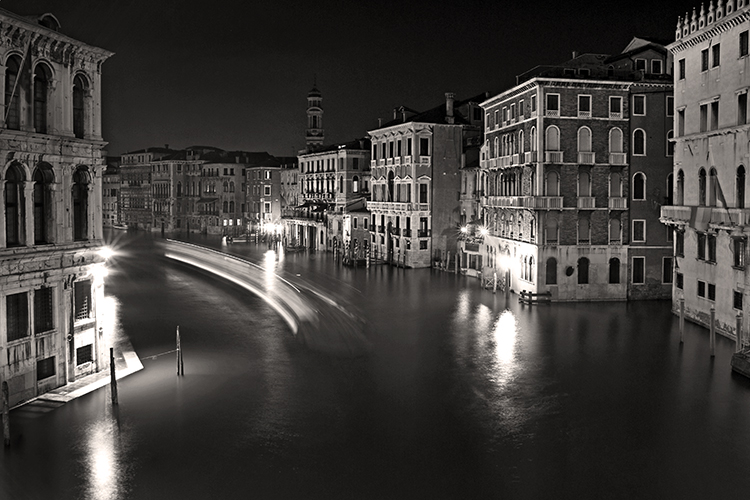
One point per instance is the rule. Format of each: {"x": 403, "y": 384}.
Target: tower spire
{"x": 314, "y": 134}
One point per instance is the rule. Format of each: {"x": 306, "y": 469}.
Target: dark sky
{"x": 235, "y": 74}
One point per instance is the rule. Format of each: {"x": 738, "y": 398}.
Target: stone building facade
{"x": 575, "y": 167}
{"x": 51, "y": 267}
{"x": 709, "y": 213}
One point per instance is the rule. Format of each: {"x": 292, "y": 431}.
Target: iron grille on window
{"x": 738, "y": 300}
{"x": 711, "y": 291}
{"x": 43, "y": 311}
{"x": 17, "y": 316}
{"x": 45, "y": 368}
{"x": 84, "y": 355}
{"x": 82, "y": 299}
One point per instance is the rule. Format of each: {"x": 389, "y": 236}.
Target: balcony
{"x": 504, "y": 161}
{"x": 544, "y": 202}
{"x": 381, "y": 229}
{"x": 617, "y": 158}
{"x": 586, "y": 202}
{"x": 381, "y": 162}
{"x": 618, "y": 203}
{"x": 584, "y": 114}
{"x": 553, "y": 156}
{"x": 424, "y": 233}
{"x": 471, "y": 247}
{"x": 615, "y": 115}
{"x": 530, "y": 156}
{"x": 407, "y": 160}
{"x": 673, "y": 213}
{"x": 397, "y": 160}
{"x": 586, "y": 157}
{"x": 389, "y": 161}
{"x": 505, "y": 201}
{"x": 406, "y": 233}
{"x": 424, "y": 159}
{"x": 373, "y": 163}
{"x": 515, "y": 159}
{"x": 553, "y": 113}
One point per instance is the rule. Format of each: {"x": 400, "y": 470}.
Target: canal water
{"x": 461, "y": 394}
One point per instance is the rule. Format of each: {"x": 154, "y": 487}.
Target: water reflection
{"x": 103, "y": 460}
{"x": 505, "y": 333}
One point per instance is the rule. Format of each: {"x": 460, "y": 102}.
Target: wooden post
{"x": 738, "y": 348}
{"x": 712, "y": 332}
{"x": 367, "y": 256}
{"x": 682, "y": 320}
{"x": 113, "y": 376}
{"x": 458, "y": 262}
{"x": 180, "y": 366}
{"x": 494, "y": 282}
{"x": 6, "y": 414}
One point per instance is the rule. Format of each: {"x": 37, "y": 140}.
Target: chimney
{"x": 449, "y": 97}
{"x": 395, "y": 113}
{"x": 380, "y": 122}
{"x": 166, "y": 146}
{"x": 575, "y": 54}
{"x": 403, "y": 114}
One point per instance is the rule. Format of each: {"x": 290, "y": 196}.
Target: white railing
{"x": 397, "y": 160}
{"x": 504, "y": 161}
{"x": 615, "y": 115}
{"x": 618, "y": 203}
{"x": 585, "y": 202}
{"x": 586, "y": 157}
{"x": 389, "y": 161}
{"x": 530, "y": 156}
{"x": 553, "y": 156}
{"x": 515, "y": 159}
{"x": 544, "y": 202}
{"x": 553, "y": 113}
{"x": 424, "y": 159}
{"x": 407, "y": 159}
{"x": 373, "y": 163}
{"x": 617, "y": 158}
{"x": 584, "y": 114}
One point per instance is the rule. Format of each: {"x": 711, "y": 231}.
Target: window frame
{"x": 638, "y": 97}
{"x": 634, "y": 231}
{"x": 633, "y": 268}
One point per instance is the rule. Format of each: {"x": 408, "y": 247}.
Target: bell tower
{"x": 314, "y": 134}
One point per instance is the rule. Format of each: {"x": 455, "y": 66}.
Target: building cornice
{"x": 709, "y": 32}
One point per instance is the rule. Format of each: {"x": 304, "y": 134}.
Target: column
{"x": 2, "y": 211}
{"x": 28, "y": 193}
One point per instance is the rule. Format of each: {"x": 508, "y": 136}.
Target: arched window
{"x": 639, "y": 142}
{"x": 614, "y": 231}
{"x": 231, "y": 207}
{"x": 615, "y": 140}
{"x": 231, "y": 187}
{"x": 552, "y": 139}
{"x": 583, "y": 230}
{"x": 740, "y": 181}
{"x": 680, "y": 187}
{"x": 225, "y": 206}
{"x": 355, "y": 184}
{"x": 553, "y": 184}
{"x": 15, "y": 221}
{"x": 532, "y": 139}
{"x": 79, "y": 116}
{"x": 584, "y": 183}
{"x": 41, "y": 80}
{"x": 610, "y": 70}
{"x": 713, "y": 187}
{"x": 551, "y": 236}
{"x": 531, "y": 269}
{"x": 551, "y": 271}
{"x": 520, "y": 142}
{"x": 179, "y": 189}
{"x": 525, "y": 269}
{"x": 390, "y": 186}
{"x": 81, "y": 180}
{"x": 13, "y": 88}
{"x": 583, "y": 271}
{"x": 43, "y": 179}
{"x": 496, "y": 148}
{"x": 615, "y": 185}
{"x": 584, "y": 140}
{"x": 702, "y": 187}
{"x": 614, "y": 270}
{"x": 639, "y": 186}
{"x": 225, "y": 184}
{"x": 670, "y": 143}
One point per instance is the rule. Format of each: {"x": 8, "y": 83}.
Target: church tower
{"x": 314, "y": 134}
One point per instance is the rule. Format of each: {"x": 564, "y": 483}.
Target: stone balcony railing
{"x": 586, "y": 157}
{"x": 618, "y": 203}
{"x": 586, "y": 202}
{"x": 698, "y": 216}
{"x": 617, "y": 158}
{"x": 553, "y": 156}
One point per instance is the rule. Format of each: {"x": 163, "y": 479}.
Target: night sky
{"x": 235, "y": 74}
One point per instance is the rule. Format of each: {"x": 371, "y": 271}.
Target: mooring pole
{"x": 113, "y": 376}
{"x": 180, "y": 367}
{"x": 494, "y": 282}
{"x": 6, "y": 414}
{"x": 712, "y": 332}
{"x": 738, "y": 348}
{"x": 682, "y": 320}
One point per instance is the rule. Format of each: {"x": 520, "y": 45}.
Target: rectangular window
{"x": 408, "y": 146}
{"x": 84, "y": 354}
{"x": 423, "y": 244}
{"x": 512, "y": 111}
{"x": 711, "y": 291}
{"x": 714, "y": 115}
{"x": 711, "y": 243}
{"x": 533, "y": 103}
{"x": 701, "y": 288}
{"x": 423, "y": 193}
{"x": 553, "y": 104}
{"x": 45, "y": 368}
{"x": 43, "y": 311}
{"x": 743, "y": 44}
{"x": 666, "y": 270}
{"x": 656, "y": 66}
{"x": 704, "y": 60}
{"x": 680, "y": 123}
{"x": 521, "y": 110}
{"x": 742, "y": 108}
{"x": 681, "y": 66}
{"x": 267, "y": 207}
{"x": 584, "y": 106}
{"x": 17, "y": 315}
{"x": 715, "y": 55}
{"x": 639, "y": 270}
{"x": 737, "y": 296}
{"x": 640, "y": 65}
{"x": 615, "y": 107}
{"x": 639, "y": 105}
{"x": 739, "y": 246}
{"x": 354, "y": 222}
{"x": 266, "y": 190}
{"x": 701, "y": 246}
{"x": 365, "y": 220}
{"x": 497, "y": 118}
{"x": 424, "y": 146}
{"x": 390, "y": 149}
{"x": 679, "y": 280}
{"x": 670, "y": 105}
{"x": 704, "y": 118}
{"x": 639, "y": 230}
